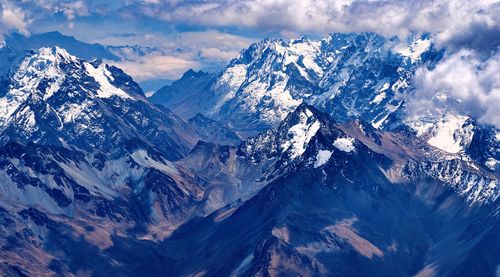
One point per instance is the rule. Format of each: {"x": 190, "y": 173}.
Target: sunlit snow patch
{"x": 380, "y": 94}
{"x": 344, "y": 144}
{"x": 415, "y": 50}
{"x": 491, "y": 163}
{"x": 300, "y": 134}
{"x": 322, "y": 158}
{"x": 451, "y": 135}
{"x": 102, "y": 76}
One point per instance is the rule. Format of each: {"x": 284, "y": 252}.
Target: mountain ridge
{"x": 271, "y": 77}
{"x": 140, "y": 191}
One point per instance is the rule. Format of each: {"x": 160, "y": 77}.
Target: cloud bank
{"x": 169, "y": 56}
{"x": 156, "y": 65}
{"x": 455, "y": 22}
{"x": 12, "y": 18}
{"x": 462, "y": 82}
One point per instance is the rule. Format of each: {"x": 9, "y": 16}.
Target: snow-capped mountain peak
{"x": 43, "y": 71}
{"x": 56, "y": 98}
{"x": 38, "y": 66}
{"x": 304, "y": 130}
{"x": 349, "y": 76}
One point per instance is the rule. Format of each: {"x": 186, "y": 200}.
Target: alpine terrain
{"x": 298, "y": 158}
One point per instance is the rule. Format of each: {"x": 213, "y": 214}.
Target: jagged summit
{"x": 55, "y": 98}
{"x": 48, "y": 67}
{"x": 326, "y": 191}
{"x": 305, "y": 135}
{"x": 310, "y": 137}
{"x": 78, "y": 139}
{"x": 191, "y": 73}
{"x": 349, "y": 76}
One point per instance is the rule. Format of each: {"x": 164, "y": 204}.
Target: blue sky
{"x": 206, "y": 34}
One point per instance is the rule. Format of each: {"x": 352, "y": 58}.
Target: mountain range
{"x": 296, "y": 159}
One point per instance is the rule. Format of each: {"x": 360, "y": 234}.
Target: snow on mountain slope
{"x": 344, "y": 144}
{"x": 65, "y": 181}
{"x": 459, "y": 134}
{"x": 337, "y": 192}
{"x": 451, "y": 133}
{"x": 237, "y": 173}
{"x": 446, "y": 139}
{"x": 103, "y": 148}
{"x": 87, "y": 171}
{"x": 79, "y": 138}
{"x": 322, "y": 157}
{"x": 300, "y": 134}
{"x": 55, "y": 98}
{"x": 102, "y": 76}
{"x": 310, "y": 138}
{"x": 347, "y": 75}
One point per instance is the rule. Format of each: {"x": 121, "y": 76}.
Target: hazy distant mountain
{"x": 184, "y": 96}
{"x": 20, "y": 43}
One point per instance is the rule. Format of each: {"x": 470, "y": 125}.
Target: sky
{"x": 206, "y": 34}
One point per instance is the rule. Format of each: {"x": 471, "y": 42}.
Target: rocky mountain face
{"x": 97, "y": 180}
{"x": 361, "y": 76}
{"x": 55, "y": 98}
{"x": 80, "y": 139}
{"x": 182, "y": 95}
{"x": 347, "y": 75}
{"x": 309, "y": 197}
{"x": 329, "y": 189}
{"x": 210, "y": 130}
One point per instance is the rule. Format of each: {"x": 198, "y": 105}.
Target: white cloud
{"x": 462, "y": 82}
{"x": 214, "y": 46}
{"x": 473, "y": 24}
{"x": 12, "y": 18}
{"x": 156, "y": 66}
{"x": 454, "y": 21}
{"x": 216, "y": 54}
{"x": 73, "y": 9}
{"x": 177, "y": 52}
